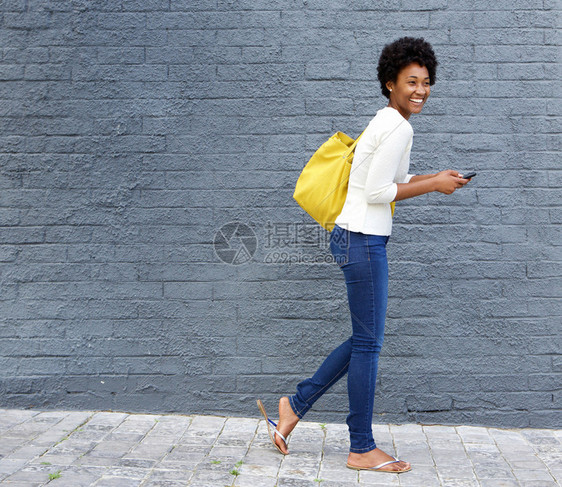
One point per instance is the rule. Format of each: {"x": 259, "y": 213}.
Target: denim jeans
{"x": 363, "y": 261}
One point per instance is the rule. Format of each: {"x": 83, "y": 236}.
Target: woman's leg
{"x": 366, "y": 275}
{"x": 332, "y": 369}
{"x": 363, "y": 260}
{"x": 336, "y": 364}
{"x": 293, "y": 408}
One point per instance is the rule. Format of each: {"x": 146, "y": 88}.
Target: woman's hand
{"x": 448, "y": 181}
{"x": 444, "y": 182}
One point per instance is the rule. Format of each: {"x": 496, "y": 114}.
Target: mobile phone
{"x": 469, "y": 175}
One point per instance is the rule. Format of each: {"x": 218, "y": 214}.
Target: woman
{"x": 379, "y": 176}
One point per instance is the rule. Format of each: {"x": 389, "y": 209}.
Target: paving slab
{"x": 105, "y": 449}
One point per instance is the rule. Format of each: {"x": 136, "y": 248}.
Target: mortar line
{"x": 210, "y": 449}
{"x": 431, "y": 455}
{"x": 325, "y": 432}
{"x": 247, "y": 450}
{"x": 140, "y": 441}
{"x": 96, "y": 444}
{"x": 467, "y": 454}
{"x": 170, "y": 450}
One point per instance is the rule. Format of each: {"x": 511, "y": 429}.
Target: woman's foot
{"x": 376, "y": 457}
{"x": 287, "y": 422}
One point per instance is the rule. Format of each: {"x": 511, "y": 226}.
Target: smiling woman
{"x": 402, "y": 53}
{"x": 379, "y": 176}
{"x": 410, "y": 90}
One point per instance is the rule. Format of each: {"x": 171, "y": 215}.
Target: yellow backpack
{"x": 322, "y": 185}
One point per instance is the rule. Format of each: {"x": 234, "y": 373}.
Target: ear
{"x": 389, "y": 85}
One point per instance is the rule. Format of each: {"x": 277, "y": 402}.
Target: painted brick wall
{"x": 132, "y": 131}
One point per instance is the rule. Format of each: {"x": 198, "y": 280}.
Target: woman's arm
{"x": 445, "y": 182}
{"x": 421, "y": 177}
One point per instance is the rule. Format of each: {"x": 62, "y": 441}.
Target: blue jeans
{"x": 363, "y": 261}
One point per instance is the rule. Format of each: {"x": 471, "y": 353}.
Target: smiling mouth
{"x": 417, "y": 101}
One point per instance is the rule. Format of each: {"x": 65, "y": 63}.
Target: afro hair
{"x": 401, "y": 53}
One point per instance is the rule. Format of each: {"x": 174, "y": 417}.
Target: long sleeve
{"x": 407, "y": 178}
{"x": 383, "y": 152}
{"x": 381, "y": 161}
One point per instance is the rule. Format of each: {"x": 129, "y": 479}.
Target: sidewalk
{"x": 104, "y": 449}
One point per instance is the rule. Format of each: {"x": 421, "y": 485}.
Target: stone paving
{"x": 106, "y": 449}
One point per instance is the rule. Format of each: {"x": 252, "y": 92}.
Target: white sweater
{"x": 382, "y": 159}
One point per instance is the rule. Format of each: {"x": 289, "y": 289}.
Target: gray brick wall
{"x": 133, "y": 130}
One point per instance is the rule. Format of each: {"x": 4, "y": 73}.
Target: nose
{"x": 422, "y": 90}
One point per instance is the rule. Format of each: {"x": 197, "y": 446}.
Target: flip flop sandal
{"x": 378, "y": 467}
{"x": 275, "y": 431}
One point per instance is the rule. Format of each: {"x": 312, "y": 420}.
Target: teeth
{"x": 416, "y": 100}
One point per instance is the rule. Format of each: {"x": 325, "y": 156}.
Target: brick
{"x": 281, "y": 72}
{"x": 495, "y": 36}
{"x": 144, "y": 5}
{"x": 131, "y": 72}
{"x": 127, "y": 37}
{"x": 28, "y": 20}
{"x": 121, "y": 20}
{"x": 39, "y": 72}
{"x": 187, "y": 21}
{"x": 511, "y": 54}
{"x": 421, "y": 5}
{"x": 11, "y": 72}
{"x": 131, "y": 55}
{"x": 13, "y": 6}
{"x": 515, "y": 18}
{"x": 447, "y": 18}
{"x": 329, "y": 107}
{"x": 327, "y": 71}
{"x": 521, "y": 71}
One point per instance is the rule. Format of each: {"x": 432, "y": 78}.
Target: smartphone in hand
{"x": 469, "y": 175}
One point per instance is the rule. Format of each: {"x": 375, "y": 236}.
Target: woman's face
{"x": 410, "y": 90}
